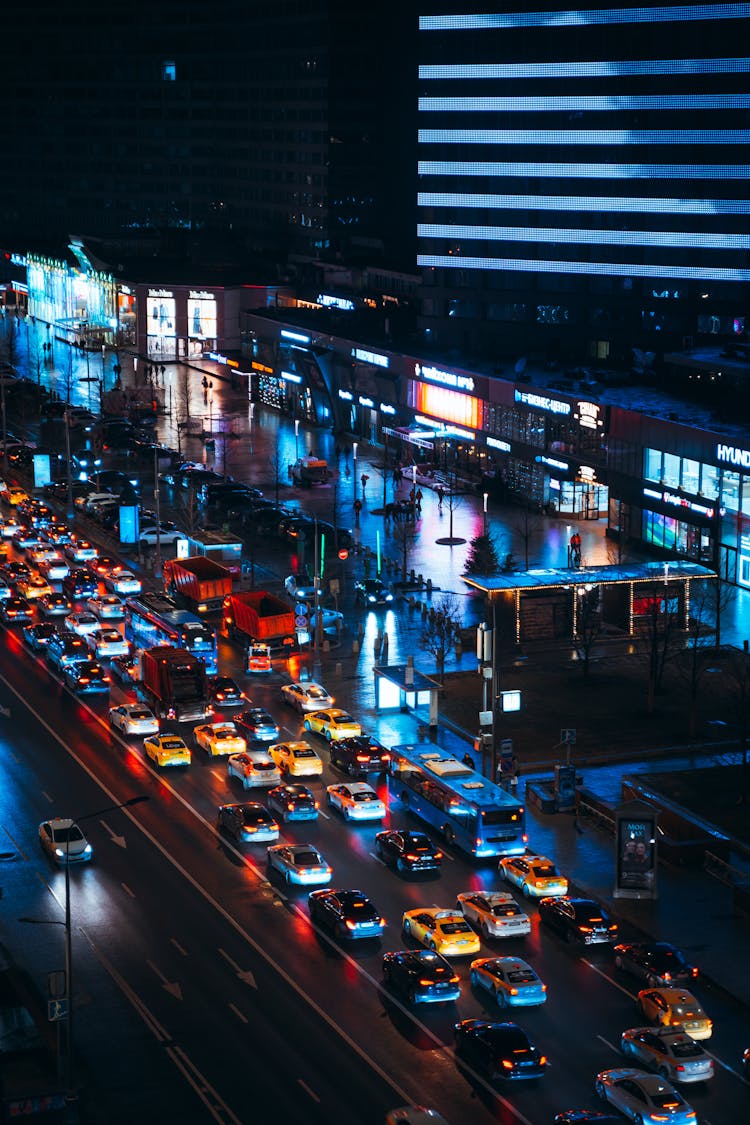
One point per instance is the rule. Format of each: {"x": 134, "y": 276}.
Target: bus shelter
{"x": 401, "y": 687}
{"x": 545, "y": 605}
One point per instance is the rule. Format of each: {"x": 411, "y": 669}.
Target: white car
{"x": 107, "y": 607}
{"x": 63, "y": 841}
{"x": 80, "y": 551}
{"x": 496, "y": 914}
{"x": 331, "y": 620}
{"x": 669, "y": 1051}
{"x": 81, "y": 623}
{"x": 301, "y": 588}
{"x": 5, "y": 590}
{"x": 219, "y": 739}
{"x": 356, "y": 800}
{"x": 644, "y": 1098}
{"x": 54, "y": 568}
{"x": 148, "y": 536}
{"x": 133, "y": 718}
{"x": 41, "y": 553}
{"x": 300, "y": 863}
{"x": 254, "y": 768}
{"x": 307, "y": 696}
{"x": 123, "y": 582}
{"x": 106, "y": 643}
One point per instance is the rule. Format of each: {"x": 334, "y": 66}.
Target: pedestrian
{"x": 419, "y": 501}
{"x": 440, "y": 495}
{"x": 357, "y": 508}
{"x": 364, "y": 479}
{"x": 468, "y": 760}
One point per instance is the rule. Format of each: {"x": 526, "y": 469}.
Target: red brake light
{"x": 507, "y": 1064}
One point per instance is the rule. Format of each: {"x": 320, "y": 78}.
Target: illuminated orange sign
{"x": 448, "y": 406}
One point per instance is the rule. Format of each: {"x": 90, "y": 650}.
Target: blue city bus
{"x": 155, "y": 619}
{"x": 466, "y": 808}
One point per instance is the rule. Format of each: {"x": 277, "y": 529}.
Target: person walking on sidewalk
{"x": 418, "y": 499}
{"x": 364, "y": 479}
{"x": 357, "y": 509}
{"x": 440, "y": 495}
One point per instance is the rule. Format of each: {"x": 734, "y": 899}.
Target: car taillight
{"x": 438, "y": 855}
{"x": 585, "y": 929}
{"x": 317, "y": 805}
{"x": 83, "y": 679}
{"x": 426, "y": 983}
{"x": 544, "y": 988}
{"x": 693, "y": 972}
{"x": 411, "y": 857}
{"x": 507, "y": 1064}
{"x": 381, "y": 921}
{"x": 363, "y": 757}
{"x": 385, "y": 757}
{"x": 513, "y": 991}
{"x": 525, "y": 838}
{"x": 666, "y": 976}
{"x": 542, "y": 1060}
{"x": 349, "y": 924}
{"x": 290, "y": 807}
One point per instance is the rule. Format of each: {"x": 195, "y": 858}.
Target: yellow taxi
{"x": 445, "y": 931}
{"x": 219, "y": 739}
{"x": 13, "y": 495}
{"x": 670, "y": 1007}
{"x": 536, "y": 876}
{"x": 167, "y": 750}
{"x": 333, "y": 724}
{"x": 296, "y": 759}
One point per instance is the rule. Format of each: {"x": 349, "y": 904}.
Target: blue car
{"x": 293, "y": 802}
{"x": 422, "y": 976}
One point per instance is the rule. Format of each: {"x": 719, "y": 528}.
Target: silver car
{"x": 63, "y": 841}
{"x": 669, "y": 1051}
{"x": 644, "y": 1098}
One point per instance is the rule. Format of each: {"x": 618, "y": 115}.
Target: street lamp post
{"x": 486, "y": 498}
{"x": 71, "y": 1096}
{"x": 69, "y": 479}
{"x": 157, "y": 553}
{"x": 296, "y": 439}
{"x": 354, "y": 465}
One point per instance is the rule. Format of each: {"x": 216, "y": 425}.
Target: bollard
{"x": 429, "y": 586}
{"x": 339, "y": 667}
{"x": 420, "y": 579}
{"x": 360, "y": 632}
{"x": 424, "y": 610}
{"x": 355, "y": 647}
{"x": 326, "y": 645}
{"x": 385, "y": 644}
{"x": 412, "y": 576}
{"x": 412, "y": 603}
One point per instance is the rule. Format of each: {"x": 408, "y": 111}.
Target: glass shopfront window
{"x": 652, "y": 469}
{"x": 160, "y": 311}
{"x": 745, "y": 505}
{"x": 201, "y": 322}
{"x": 691, "y": 475}
{"x": 710, "y": 481}
{"x": 730, "y": 490}
{"x": 683, "y": 538}
{"x": 671, "y": 470}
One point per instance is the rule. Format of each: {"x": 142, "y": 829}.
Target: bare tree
{"x": 588, "y": 623}
{"x": 404, "y": 534}
{"x": 277, "y": 463}
{"x": 656, "y": 642}
{"x": 527, "y": 524}
{"x": 695, "y": 660}
{"x": 441, "y": 630}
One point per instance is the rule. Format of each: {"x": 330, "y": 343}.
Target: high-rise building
{"x": 269, "y": 127}
{"x": 583, "y": 175}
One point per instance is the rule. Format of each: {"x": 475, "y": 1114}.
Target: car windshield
{"x": 316, "y": 693}
{"x": 266, "y": 764}
{"x": 508, "y": 1040}
{"x": 688, "y": 1011}
{"x": 140, "y": 715}
{"x": 254, "y": 816}
{"x": 172, "y": 744}
{"x": 305, "y": 752}
{"x": 522, "y": 976}
{"x": 219, "y": 734}
{"x": 666, "y": 1098}
{"x": 71, "y": 833}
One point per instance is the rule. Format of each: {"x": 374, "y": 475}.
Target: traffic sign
{"x": 568, "y": 736}
{"x": 57, "y": 1010}
{"x": 506, "y": 747}
{"x": 300, "y": 621}
{"x": 343, "y": 554}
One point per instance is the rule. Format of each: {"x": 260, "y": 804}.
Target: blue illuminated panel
{"x": 680, "y": 220}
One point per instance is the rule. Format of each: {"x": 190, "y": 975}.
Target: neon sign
{"x": 588, "y": 415}
{"x": 375, "y": 358}
{"x": 447, "y": 378}
{"x": 296, "y": 336}
{"x": 678, "y": 501}
{"x": 733, "y": 454}
{"x": 542, "y": 402}
{"x": 496, "y": 443}
{"x": 346, "y": 395}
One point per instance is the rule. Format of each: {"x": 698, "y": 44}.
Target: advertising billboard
{"x": 635, "y": 851}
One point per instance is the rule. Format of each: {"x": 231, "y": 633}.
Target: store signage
{"x": 542, "y": 402}
{"x": 291, "y": 378}
{"x": 346, "y": 395}
{"x": 160, "y": 293}
{"x": 201, "y": 295}
{"x": 217, "y": 357}
{"x": 374, "y": 358}
{"x": 262, "y": 367}
{"x": 586, "y": 473}
{"x": 552, "y": 462}
{"x": 386, "y": 408}
{"x": 335, "y": 302}
{"x": 454, "y": 431}
{"x": 733, "y": 455}
{"x": 496, "y": 443}
{"x": 296, "y": 336}
{"x": 446, "y": 378}
{"x": 18, "y": 260}
{"x": 363, "y": 401}
{"x": 588, "y": 415}
{"x": 678, "y": 501}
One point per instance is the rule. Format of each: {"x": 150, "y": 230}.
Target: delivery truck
{"x": 199, "y": 583}
{"x": 307, "y": 471}
{"x": 255, "y": 616}
{"x": 173, "y": 683}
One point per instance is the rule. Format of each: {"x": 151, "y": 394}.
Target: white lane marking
{"x": 609, "y": 979}
{"x": 238, "y": 1013}
{"x": 178, "y": 947}
{"x": 45, "y": 794}
{"x": 310, "y": 1093}
{"x": 242, "y": 974}
{"x": 127, "y": 890}
{"x": 217, "y": 775}
{"x": 607, "y": 1043}
{"x": 15, "y": 844}
{"x": 378, "y": 859}
{"x": 324, "y": 814}
{"x": 172, "y": 987}
{"x": 220, "y": 1111}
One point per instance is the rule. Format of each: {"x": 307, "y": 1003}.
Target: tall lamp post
{"x": 486, "y": 498}
{"x": 157, "y": 552}
{"x": 296, "y": 439}
{"x": 71, "y": 1096}
{"x": 354, "y": 464}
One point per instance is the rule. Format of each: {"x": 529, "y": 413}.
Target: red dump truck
{"x": 174, "y": 683}
{"x": 198, "y": 582}
{"x": 256, "y": 615}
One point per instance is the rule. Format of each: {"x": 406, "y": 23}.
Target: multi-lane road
{"x": 203, "y": 991}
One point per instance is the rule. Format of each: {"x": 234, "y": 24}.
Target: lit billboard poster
{"x": 129, "y": 523}
{"x": 42, "y": 470}
{"x": 635, "y": 875}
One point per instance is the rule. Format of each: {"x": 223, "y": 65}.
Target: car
{"x": 301, "y": 864}
{"x": 133, "y": 718}
{"x": 496, "y": 914}
{"x": 102, "y": 565}
{"x": 107, "y": 607}
{"x": 258, "y": 658}
{"x": 26, "y": 539}
{"x": 37, "y": 637}
{"x": 670, "y": 1006}
{"x": 512, "y": 982}
{"x": 55, "y": 605}
{"x": 13, "y": 495}
{"x": 33, "y": 587}
{"x": 54, "y": 568}
{"x": 586, "y": 1117}
{"x": 14, "y": 570}
{"x": 167, "y": 750}
{"x": 254, "y": 768}
{"x": 356, "y": 801}
{"x": 422, "y": 976}
{"x": 40, "y": 554}
{"x": 122, "y": 582}
{"x": 9, "y": 527}
{"x": 224, "y": 692}
{"x": 219, "y": 739}
{"x": 644, "y": 1098}
{"x": 148, "y": 536}
{"x": 57, "y": 534}
{"x": 656, "y": 962}
{"x": 408, "y": 851}
{"x": 307, "y": 696}
{"x": 79, "y": 584}
{"x": 87, "y": 501}
{"x": 106, "y": 643}
{"x": 371, "y": 592}
{"x": 64, "y": 842}
{"x": 333, "y": 724}
{"x": 248, "y": 822}
{"x": 359, "y": 756}
{"x": 578, "y": 920}
{"x": 292, "y": 802}
{"x": 296, "y": 759}
{"x": 257, "y": 725}
{"x": 126, "y": 669}
{"x": 349, "y": 914}
{"x": 81, "y": 623}
{"x": 669, "y": 1051}
{"x": 498, "y": 1050}
{"x": 331, "y": 620}
{"x": 80, "y": 551}
{"x": 66, "y": 648}
{"x": 536, "y": 876}
{"x": 86, "y": 676}
{"x": 6, "y": 590}
{"x": 301, "y": 587}
{"x": 15, "y": 610}
{"x": 445, "y": 931}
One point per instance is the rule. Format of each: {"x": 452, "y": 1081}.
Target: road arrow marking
{"x": 178, "y": 947}
{"x": 244, "y": 974}
{"x": 238, "y": 1013}
{"x": 119, "y": 840}
{"x": 172, "y": 989}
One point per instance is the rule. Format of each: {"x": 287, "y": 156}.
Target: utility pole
{"x": 157, "y": 554}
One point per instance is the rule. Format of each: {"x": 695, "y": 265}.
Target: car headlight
{"x": 59, "y": 853}
{"x": 88, "y": 849}
{"x": 389, "y": 597}
{"x": 371, "y": 598}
